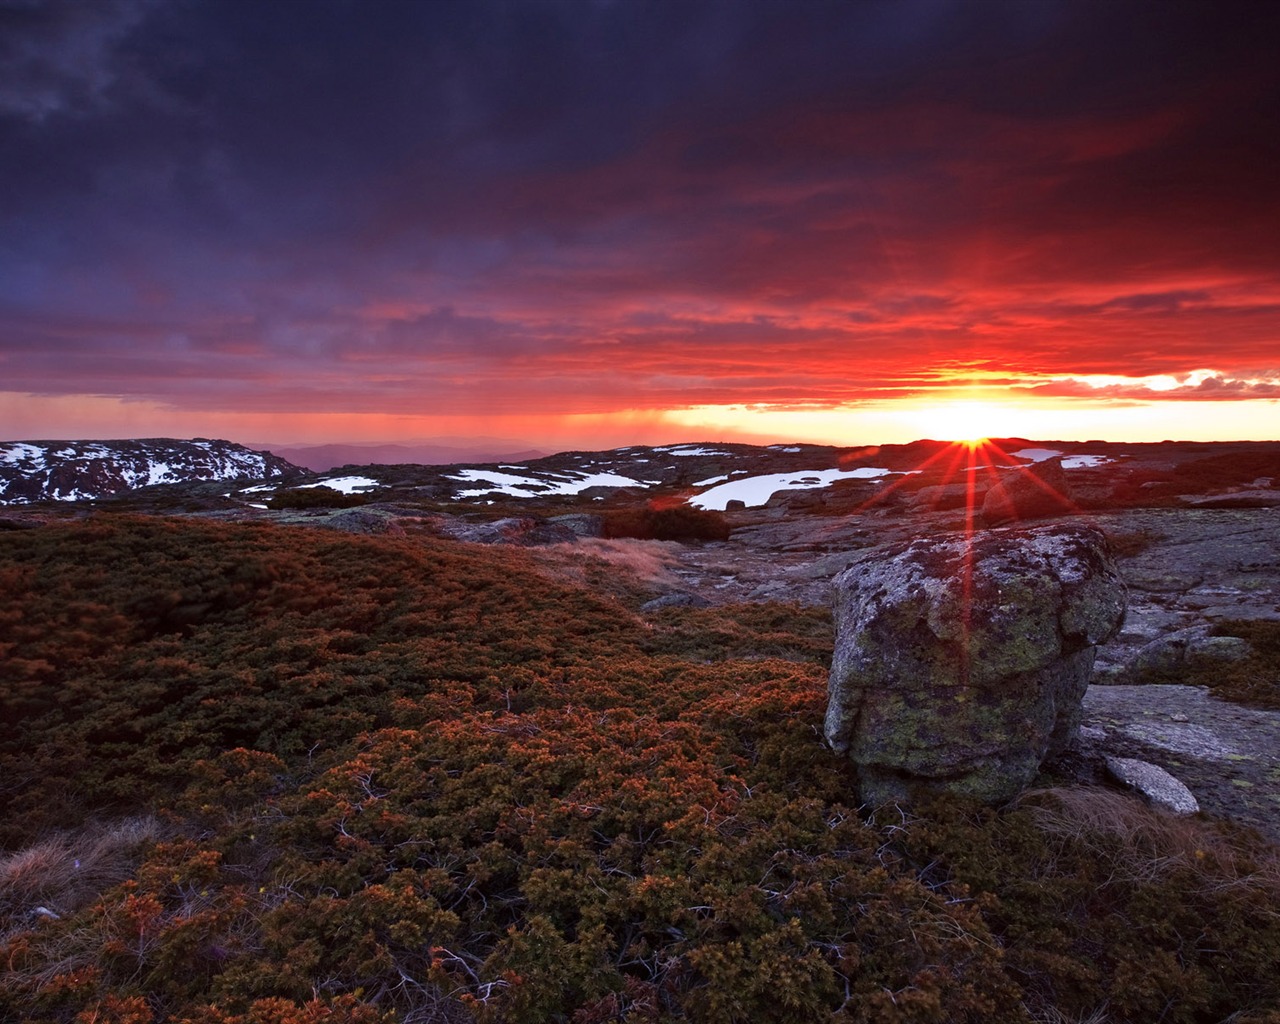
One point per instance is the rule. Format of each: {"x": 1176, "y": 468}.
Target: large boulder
{"x": 961, "y": 660}
{"x": 1030, "y": 492}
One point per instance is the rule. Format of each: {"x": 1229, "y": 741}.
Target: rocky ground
{"x": 1183, "y": 567}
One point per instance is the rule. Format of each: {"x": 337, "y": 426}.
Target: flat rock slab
{"x": 1227, "y": 755}
{"x": 1199, "y": 566}
{"x": 1154, "y": 783}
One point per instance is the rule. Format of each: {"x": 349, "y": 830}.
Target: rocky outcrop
{"x": 580, "y": 524}
{"x": 961, "y": 661}
{"x": 1170, "y": 658}
{"x": 676, "y": 599}
{"x": 1031, "y": 492}
{"x": 1227, "y": 755}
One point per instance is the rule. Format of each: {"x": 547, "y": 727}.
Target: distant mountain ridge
{"x": 321, "y": 458}
{"x": 83, "y": 470}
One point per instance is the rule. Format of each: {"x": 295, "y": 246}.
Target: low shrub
{"x": 1254, "y": 680}
{"x": 405, "y": 780}
{"x": 679, "y": 522}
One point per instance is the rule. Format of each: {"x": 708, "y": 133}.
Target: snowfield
{"x": 685, "y": 449}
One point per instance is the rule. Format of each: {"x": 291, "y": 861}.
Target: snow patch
{"x": 756, "y": 490}
{"x": 529, "y": 486}
{"x": 159, "y": 473}
{"x": 1070, "y": 462}
{"x": 345, "y": 484}
{"x": 21, "y": 452}
{"x": 1085, "y": 461}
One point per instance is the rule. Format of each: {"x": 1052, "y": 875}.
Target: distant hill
{"x": 717, "y": 476}
{"x": 322, "y": 457}
{"x": 82, "y": 470}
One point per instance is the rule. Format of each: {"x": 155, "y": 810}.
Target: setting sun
{"x": 967, "y": 420}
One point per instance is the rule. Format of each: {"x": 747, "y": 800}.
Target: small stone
{"x": 676, "y": 599}
{"x": 1154, "y": 783}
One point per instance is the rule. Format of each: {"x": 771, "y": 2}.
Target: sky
{"x": 587, "y": 223}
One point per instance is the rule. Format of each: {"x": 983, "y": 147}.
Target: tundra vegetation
{"x": 259, "y": 775}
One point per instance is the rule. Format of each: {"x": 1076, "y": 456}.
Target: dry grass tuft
{"x": 641, "y": 562}
{"x": 1145, "y": 841}
{"x": 64, "y": 872}
{"x": 1052, "y": 1015}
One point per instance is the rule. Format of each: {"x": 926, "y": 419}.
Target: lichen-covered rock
{"x": 1031, "y": 492}
{"x": 527, "y": 531}
{"x": 961, "y": 660}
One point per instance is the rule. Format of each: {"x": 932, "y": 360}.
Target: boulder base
{"x": 961, "y": 660}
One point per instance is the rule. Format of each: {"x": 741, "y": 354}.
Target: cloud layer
{"x": 572, "y": 207}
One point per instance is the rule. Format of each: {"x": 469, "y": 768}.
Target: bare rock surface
{"x": 1192, "y": 567}
{"x": 1227, "y": 755}
{"x": 961, "y": 660}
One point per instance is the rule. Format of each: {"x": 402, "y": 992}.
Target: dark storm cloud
{"x": 265, "y": 198}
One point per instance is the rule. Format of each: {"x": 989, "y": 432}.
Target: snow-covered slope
{"x": 79, "y": 470}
